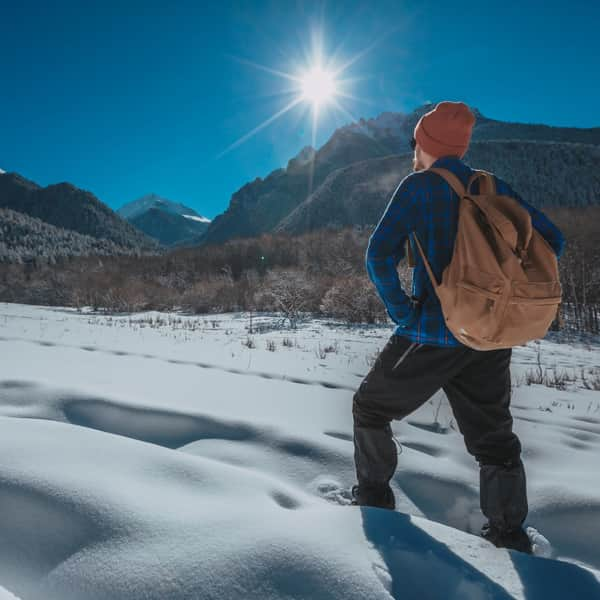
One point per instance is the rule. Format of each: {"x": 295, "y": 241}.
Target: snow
{"x": 134, "y": 209}
{"x": 199, "y": 219}
{"x": 1, "y": 172}
{"x": 6, "y": 595}
{"x": 385, "y": 124}
{"x": 158, "y": 456}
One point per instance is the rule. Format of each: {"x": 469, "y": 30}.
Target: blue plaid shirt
{"x": 425, "y": 203}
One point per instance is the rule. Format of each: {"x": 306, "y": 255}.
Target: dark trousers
{"x": 477, "y": 384}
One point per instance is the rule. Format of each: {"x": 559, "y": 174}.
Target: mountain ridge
{"x": 356, "y": 195}
{"x": 68, "y": 207}
{"x": 261, "y": 205}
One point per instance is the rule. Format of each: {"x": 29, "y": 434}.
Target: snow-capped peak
{"x": 133, "y": 209}
{"x": 384, "y": 125}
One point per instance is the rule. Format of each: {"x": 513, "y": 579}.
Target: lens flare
{"x": 318, "y": 86}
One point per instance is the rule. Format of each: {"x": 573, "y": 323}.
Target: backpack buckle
{"x": 522, "y": 255}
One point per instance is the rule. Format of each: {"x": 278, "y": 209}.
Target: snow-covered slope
{"x": 195, "y": 218}
{"x": 386, "y": 124}
{"x": 6, "y": 595}
{"x": 160, "y": 456}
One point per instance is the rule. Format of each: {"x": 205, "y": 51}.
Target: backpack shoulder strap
{"x": 487, "y": 183}
{"x": 454, "y": 182}
{"x": 451, "y": 179}
{"x": 492, "y": 208}
{"x": 432, "y": 278}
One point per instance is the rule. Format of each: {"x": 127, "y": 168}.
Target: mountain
{"x": 68, "y": 207}
{"x": 396, "y": 129}
{"x": 352, "y": 195}
{"x": 261, "y": 205}
{"x": 137, "y": 207}
{"x": 168, "y": 222}
{"x": 23, "y": 238}
{"x": 549, "y": 174}
{"x": 171, "y": 229}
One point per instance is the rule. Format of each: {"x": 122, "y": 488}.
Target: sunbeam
{"x": 316, "y": 85}
{"x": 261, "y": 126}
{"x": 260, "y": 67}
{"x": 356, "y": 98}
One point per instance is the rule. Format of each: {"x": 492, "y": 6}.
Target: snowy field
{"x": 159, "y": 456}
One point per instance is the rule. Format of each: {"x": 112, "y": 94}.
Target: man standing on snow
{"x": 423, "y": 356}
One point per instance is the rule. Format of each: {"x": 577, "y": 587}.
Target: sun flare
{"x": 318, "y": 86}
{"x": 314, "y": 87}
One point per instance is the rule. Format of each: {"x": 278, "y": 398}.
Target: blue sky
{"x": 126, "y": 98}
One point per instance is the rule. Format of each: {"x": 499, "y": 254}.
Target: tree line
{"x": 320, "y": 273}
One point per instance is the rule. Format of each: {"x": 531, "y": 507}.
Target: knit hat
{"x": 446, "y": 130}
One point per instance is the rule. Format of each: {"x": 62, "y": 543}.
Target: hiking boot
{"x": 380, "y": 496}
{"x": 513, "y": 539}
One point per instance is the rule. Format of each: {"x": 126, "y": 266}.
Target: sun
{"x": 315, "y": 83}
{"x": 318, "y": 86}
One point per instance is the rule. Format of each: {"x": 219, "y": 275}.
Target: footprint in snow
{"x": 331, "y": 490}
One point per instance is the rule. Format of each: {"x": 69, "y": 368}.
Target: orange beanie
{"x": 446, "y": 130}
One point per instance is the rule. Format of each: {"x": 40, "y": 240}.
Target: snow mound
{"x": 5, "y": 594}
{"x": 149, "y": 522}
{"x": 157, "y": 456}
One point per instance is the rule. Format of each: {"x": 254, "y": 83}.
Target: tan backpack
{"x": 502, "y": 287}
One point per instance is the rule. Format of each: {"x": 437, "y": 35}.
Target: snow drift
{"x": 128, "y": 472}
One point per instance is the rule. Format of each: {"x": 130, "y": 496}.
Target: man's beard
{"x": 417, "y": 164}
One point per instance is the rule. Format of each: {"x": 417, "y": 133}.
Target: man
{"x": 423, "y": 356}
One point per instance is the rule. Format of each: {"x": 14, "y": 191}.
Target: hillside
{"x": 23, "y": 238}
{"x": 546, "y": 174}
{"x": 68, "y": 207}
{"x": 259, "y": 206}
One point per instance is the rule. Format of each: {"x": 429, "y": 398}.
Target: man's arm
{"x": 386, "y": 250}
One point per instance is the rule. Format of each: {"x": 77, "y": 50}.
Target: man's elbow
{"x": 370, "y": 267}
{"x": 370, "y": 254}
{"x": 377, "y": 249}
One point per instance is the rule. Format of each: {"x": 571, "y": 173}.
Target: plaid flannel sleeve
{"x": 386, "y": 250}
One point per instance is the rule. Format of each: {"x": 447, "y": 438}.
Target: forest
{"x": 321, "y": 273}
